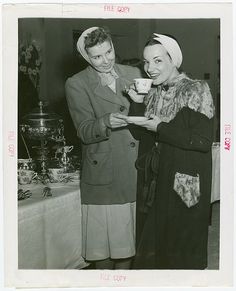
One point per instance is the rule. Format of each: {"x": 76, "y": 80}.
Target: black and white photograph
{"x": 118, "y": 144}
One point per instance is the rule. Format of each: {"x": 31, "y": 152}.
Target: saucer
{"x": 137, "y": 119}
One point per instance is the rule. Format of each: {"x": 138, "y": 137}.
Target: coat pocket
{"x": 188, "y": 188}
{"x": 97, "y": 168}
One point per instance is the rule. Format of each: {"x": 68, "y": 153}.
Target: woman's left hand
{"x": 152, "y": 123}
{"x": 149, "y": 124}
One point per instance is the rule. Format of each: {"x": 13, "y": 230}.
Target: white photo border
{"x": 92, "y": 278}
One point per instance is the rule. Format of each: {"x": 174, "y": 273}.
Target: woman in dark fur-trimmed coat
{"x": 179, "y": 113}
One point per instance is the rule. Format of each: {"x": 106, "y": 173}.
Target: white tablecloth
{"x": 49, "y": 229}
{"x": 215, "y": 187}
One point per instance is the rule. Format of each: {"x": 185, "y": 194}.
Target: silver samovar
{"x": 42, "y": 125}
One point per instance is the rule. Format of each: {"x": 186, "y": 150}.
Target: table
{"x": 215, "y": 187}
{"x": 49, "y": 229}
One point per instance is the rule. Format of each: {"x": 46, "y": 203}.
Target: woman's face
{"x": 102, "y": 56}
{"x": 158, "y": 65}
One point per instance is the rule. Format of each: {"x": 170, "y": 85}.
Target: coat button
{"x": 122, "y": 108}
{"x": 132, "y": 144}
{"x": 95, "y": 162}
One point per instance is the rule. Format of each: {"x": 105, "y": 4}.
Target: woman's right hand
{"x": 117, "y": 120}
{"x": 134, "y": 95}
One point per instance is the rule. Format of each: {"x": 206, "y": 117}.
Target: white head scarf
{"x": 172, "y": 48}
{"x": 80, "y": 43}
{"x": 106, "y": 78}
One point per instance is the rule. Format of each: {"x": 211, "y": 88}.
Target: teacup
{"x": 143, "y": 85}
{"x": 26, "y": 164}
{"x": 55, "y": 174}
{"x": 26, "y": 176}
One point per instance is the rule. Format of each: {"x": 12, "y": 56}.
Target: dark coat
{"x": 147, "y": 142}
{"x": 185, "y": 230}
{"x": 175, "y": 236}
{"x": 108, "y": 156}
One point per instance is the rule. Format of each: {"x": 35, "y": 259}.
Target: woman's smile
{"x": 107, "y": 66}
{"x": 154, "y": 76}
{"x": 158, "y": 65}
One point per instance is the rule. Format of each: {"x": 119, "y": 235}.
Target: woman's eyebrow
{"x": 100, "y": 54}
{"x": 95, "y": 56}
{"x": 156, "y": 57}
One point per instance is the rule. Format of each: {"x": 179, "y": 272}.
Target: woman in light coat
{"x": 108, "y": 180}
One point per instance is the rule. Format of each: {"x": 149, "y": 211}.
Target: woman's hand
{"x": 149, "y": 124}
{"x": 117, "y": 120}
{"x": 134, "y": 95}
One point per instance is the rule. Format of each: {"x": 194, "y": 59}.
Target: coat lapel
{"x": 105, "y": 92}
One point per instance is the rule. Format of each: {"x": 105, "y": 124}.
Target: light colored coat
{"x": 108, "y": 156}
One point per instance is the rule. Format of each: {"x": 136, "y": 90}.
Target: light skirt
{"x": 108, "y": 231}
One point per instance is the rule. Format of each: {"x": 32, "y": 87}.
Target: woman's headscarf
{"x": 80, "y": 43}
{"x": 106, "y": 78}
{"x": 172, "y": 48}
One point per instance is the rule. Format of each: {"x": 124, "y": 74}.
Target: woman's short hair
{"x": 97, "y": 36}
{"x": 152, "y": 41}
